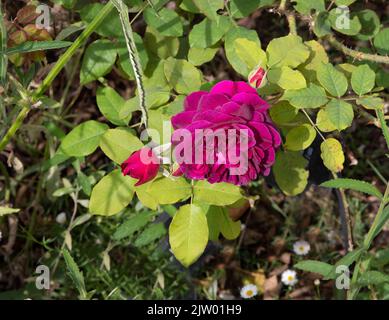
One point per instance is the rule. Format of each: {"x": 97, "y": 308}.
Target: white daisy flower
{"x": 61, "y": 218}
{"x": 289, "y": 277}
{"x": 301, "y": 247}
{"x": 249, "y": 291}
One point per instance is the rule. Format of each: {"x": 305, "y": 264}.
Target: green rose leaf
{"x": 340, "y": 113}
{"x": 313, "y": 96}
{"x": 119, "y": 143}
{"x": 371, "y": 102}
{"x": 219, "y": 221}
{"x": 230, "y": 47}
{"x": 322, "y": 25}
{"x": 307, "y": 6}
{"x": 163, "y": 47}
{"x": 362, "y": 79}
{"x": 188, "y": 234}
{"x": 282, "y": 112}
{"x": 110, "y": 104}
{"x": 300, "y": 138}
{"x": 250, "y": 53}
{"x": 332, "y": 154}
{"x": 166, "y": 190}
{"x": 287, "y": 78}
{"x": 381, "y": 41}
{"x": 199, "y": 56}
{"x": 209, "y": 7}
{"x": 166, "y": 22}
{"x": 83, "y": 139}
{"x": 323, "y": 122}
{"x": 295, "y": 179}
{"x": 208, "y": 32}
{"x": 218, "y": 194}
{"x": 348, "y": 24}
{"x": 334, "y": 81}
{"x": 111, "y": 194}
{"x": 370, "y": 24}
{"x": 98, "y": 60}
{"x": 240, "y": 9}
{"x": 183, "y": 76}
{"x": 287, "y": 51}
{"x": 317, "y": 56}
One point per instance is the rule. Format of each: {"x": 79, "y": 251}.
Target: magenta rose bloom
{"x": 229, "y": 107}
{"x": 142, "y": 165}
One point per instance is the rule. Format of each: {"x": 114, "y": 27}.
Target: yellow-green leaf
{"x": 183, "y": 76}
{"x": 250, "y": 52}
{"x": 300, "y": 138}
{"x": 188, "y": 234}
{"x": 119, "y": 143}
{"x": 332, "y": 154}
{"x": 340, "y": 113}
{"x": 290, "y": 173}
{"x": 334, "y": 81}
{"x": 287, "y": 78}
{"x": 111, "y": 194}
{"x": 218, "y": 194}
{"x": 323, "y": 122}
{"x": 286, "y": 51}
{"x": 167, "y": 190}
{"x": 363, "y": 79}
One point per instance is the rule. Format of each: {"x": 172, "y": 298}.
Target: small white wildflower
{"x": 1, "y": 235}
{"x": 289, "y": 277}
{"x": 301, "y": 248}
{"x": 316, "y": 282}
{"x": 249, "y": 291}
{"x": 61, "y": 218}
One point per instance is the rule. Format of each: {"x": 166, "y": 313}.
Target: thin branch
{"x": 134, "y": 56}
{"x": 356, "y": 54}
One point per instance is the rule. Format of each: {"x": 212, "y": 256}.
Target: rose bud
{"x": 257, "y": 78}
{"x": 142, "y": 165}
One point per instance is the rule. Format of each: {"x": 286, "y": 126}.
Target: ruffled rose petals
{"x": 142, "y": 165}
{"x": 229, "y": 106}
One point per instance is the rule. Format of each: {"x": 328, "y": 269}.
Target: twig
{"x": 356, "y": 54}
{"x": 134, "y": 57}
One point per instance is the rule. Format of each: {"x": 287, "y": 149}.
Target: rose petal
{"x": 182, "y": 119}
{"x": 191, "y": 102}
{"x": 251, "y": 100}
{"x": 211, "y": 102}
